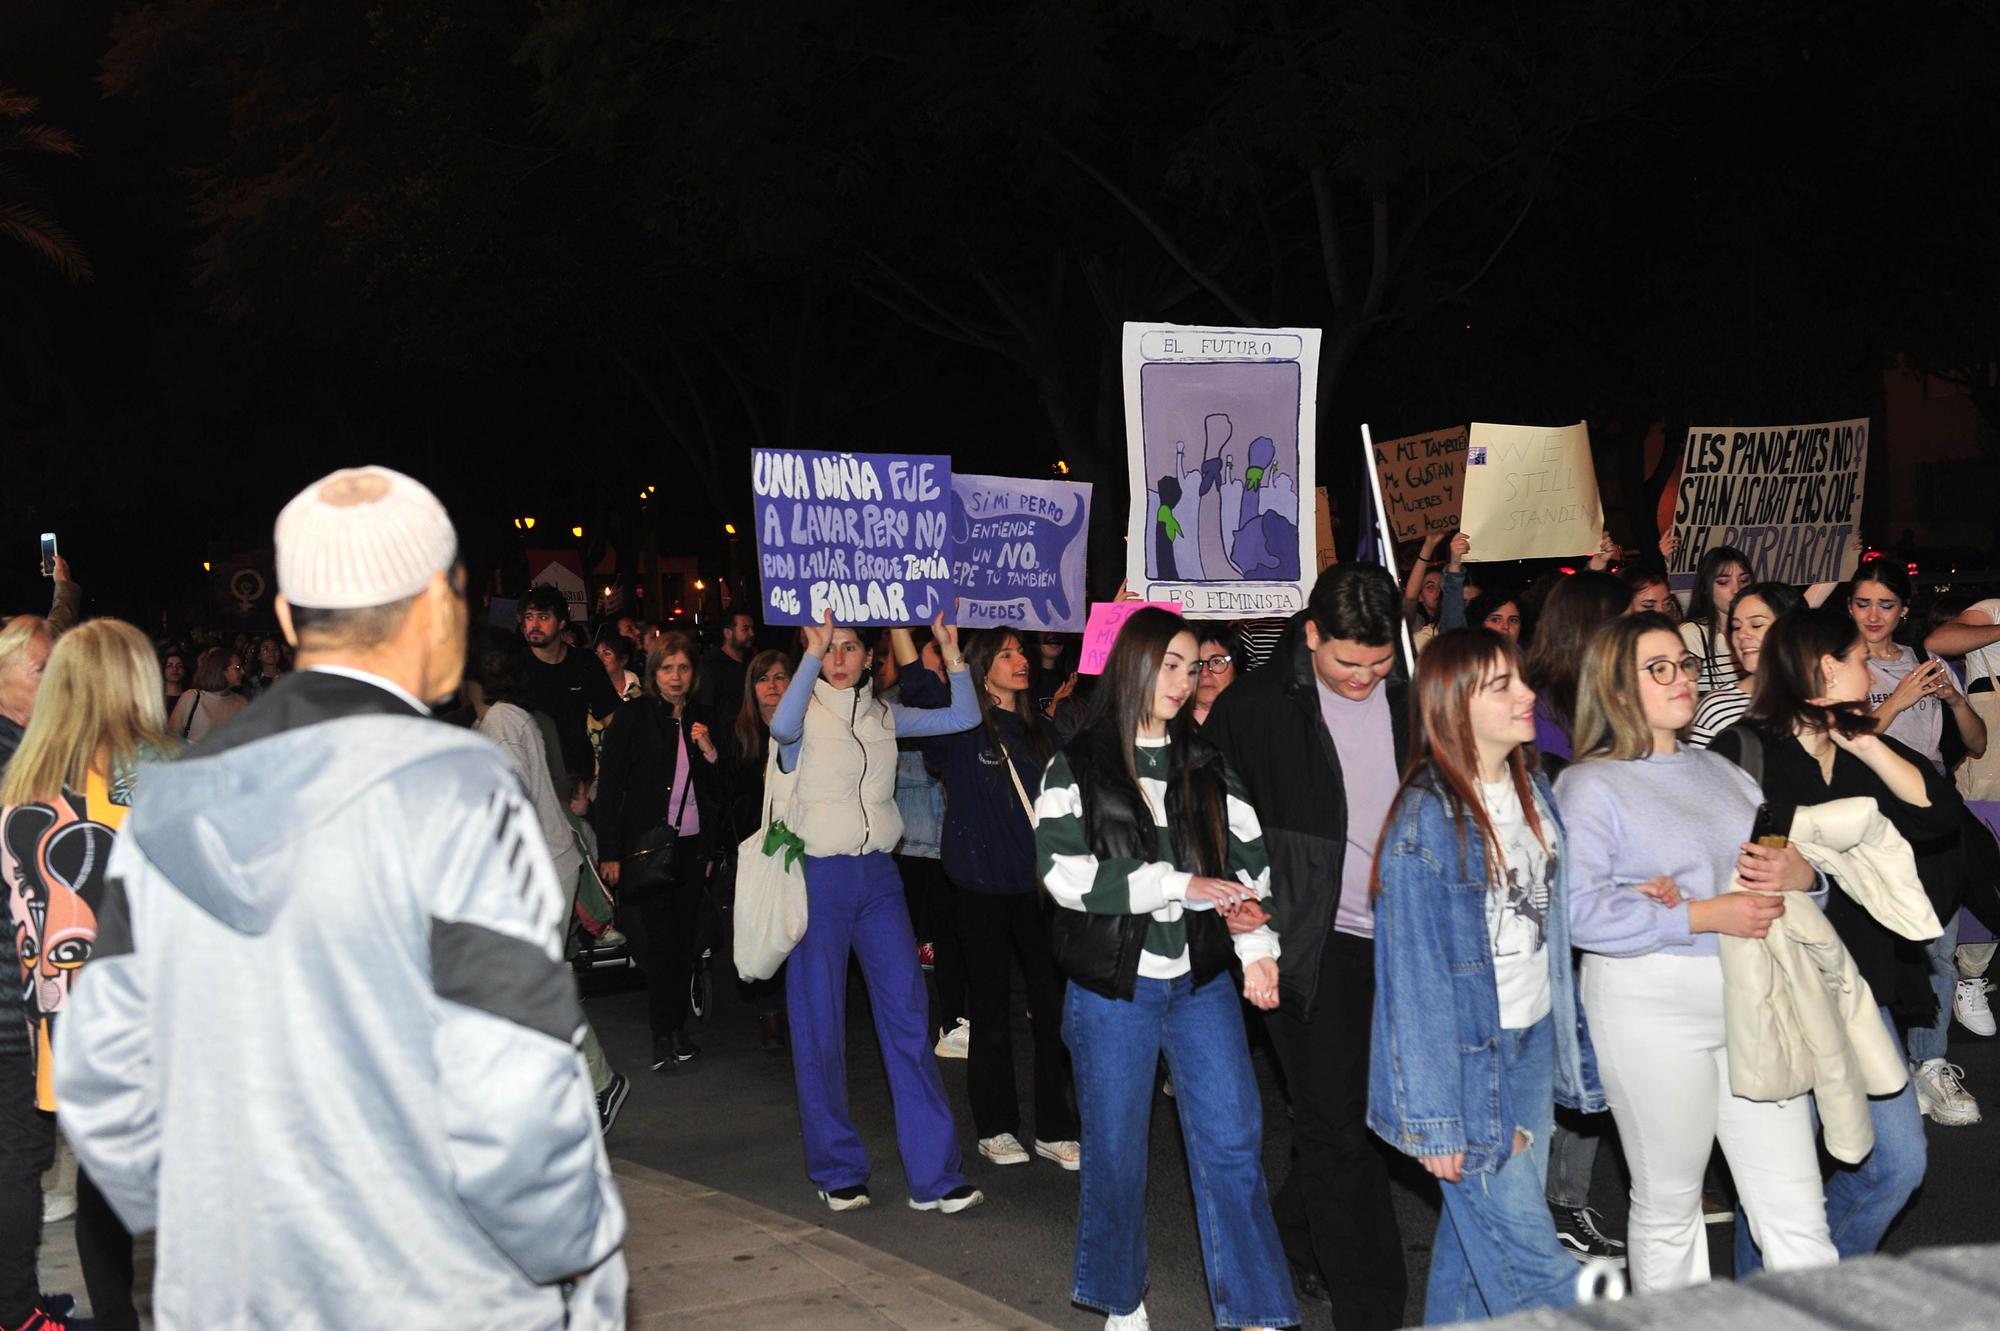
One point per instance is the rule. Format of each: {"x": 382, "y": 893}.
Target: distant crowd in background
{"x": 1489, "y": 912}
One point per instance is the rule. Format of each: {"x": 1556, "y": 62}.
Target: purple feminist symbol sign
{"x": 1018, "y": 549}
{"x": 865, "y": 535}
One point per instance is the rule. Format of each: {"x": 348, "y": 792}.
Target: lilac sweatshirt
{"x": 1683, "y": 815}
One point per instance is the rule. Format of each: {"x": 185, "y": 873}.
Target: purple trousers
{"x": 854, "y": 904}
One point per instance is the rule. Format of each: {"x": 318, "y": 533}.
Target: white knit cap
{"x": 364, "y": 536}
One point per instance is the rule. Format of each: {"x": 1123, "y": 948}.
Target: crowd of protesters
{"x": 1485, "y": 906}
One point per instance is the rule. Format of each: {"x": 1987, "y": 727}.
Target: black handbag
{"x": 654, "y": 861}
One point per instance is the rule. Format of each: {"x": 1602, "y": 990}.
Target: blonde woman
{"x": 99, "y": 718}
{"x": 1656, "y": 834}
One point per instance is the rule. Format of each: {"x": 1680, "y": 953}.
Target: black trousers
{"x": 663, "y": 928}
{"x": 995, "y": 932}
{"x": 104, "y": 1248}
{"x": 1334, "y": 1212}
{"x": 930, "y": 899}
{"x": 27, "y": 1149}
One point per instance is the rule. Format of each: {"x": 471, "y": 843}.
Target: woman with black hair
{"x": 615, "y": 651}
{"x": 991, "y": 775}
{"x": 1750, "y": 617}
{"x": 1812, "y": 662}
{"x": 1220, "y": 649}
{"x": 1151, "y": 851}
{"x": 1917, "y": 700}
{"x": 764, "y": 681}
{"x": 1723, "y": 574}
{"x": 1575, "y": 608}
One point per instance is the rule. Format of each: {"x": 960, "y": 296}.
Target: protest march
{"x": 1094, "y": 666}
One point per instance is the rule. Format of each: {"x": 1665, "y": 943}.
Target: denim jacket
{"x": 1435, "y": 1081}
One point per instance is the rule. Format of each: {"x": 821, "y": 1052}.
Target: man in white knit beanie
{"x": 327, "y": 1044}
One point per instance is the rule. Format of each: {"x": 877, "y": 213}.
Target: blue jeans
{"x": 854, "y": 903}
{"x": 1927, "y": 1042}
{"x": 1862, "y": 1200}
{"x": 1496, "y": 1251}
{"x": 1115, "y": 1046}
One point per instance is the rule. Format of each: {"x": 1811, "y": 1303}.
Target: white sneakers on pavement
{"x": 1067, "y": 1154}
{"x": 956, "y": 1042}
{"x": 1941, "y": 1094}
{"x": 1132, "y": 1321}
{"x": 1969, "y": 1006}
{"x": 1005, "y": 1149}
{"x": 962, "y": 1198}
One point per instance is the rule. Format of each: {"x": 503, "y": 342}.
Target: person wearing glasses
{"x": 1656, "y": 832}
{"x": 1218, "y": 668}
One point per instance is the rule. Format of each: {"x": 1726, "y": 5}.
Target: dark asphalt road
{"x": 728, "y": 1120}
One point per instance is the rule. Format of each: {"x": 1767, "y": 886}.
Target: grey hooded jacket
{"x": 326, "y": 1044}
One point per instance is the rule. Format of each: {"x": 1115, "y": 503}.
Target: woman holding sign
{"x": 841, "y": 739}
{"x": 1156, "y": 862}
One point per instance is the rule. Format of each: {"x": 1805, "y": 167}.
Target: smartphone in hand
{"x": 1768, "y": 829}
{"x": 48, "y": 554}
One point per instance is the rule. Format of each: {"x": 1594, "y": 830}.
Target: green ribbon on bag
{"x": 779, "y": 838}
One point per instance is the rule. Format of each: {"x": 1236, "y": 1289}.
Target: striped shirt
{"x": 1718, "y": 711}
{"x": 1078, "y": 880}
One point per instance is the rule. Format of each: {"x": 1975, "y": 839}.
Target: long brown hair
{"x": 1443, "y": 752}
{"x": 751, "y": 732}
{"x": 1573, "y": 610}
{"x": 981, "y": 649}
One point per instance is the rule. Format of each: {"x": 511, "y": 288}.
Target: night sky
{"x": 545, "y": 255}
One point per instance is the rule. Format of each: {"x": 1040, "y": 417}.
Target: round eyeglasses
{"x": 1663, "y": 672}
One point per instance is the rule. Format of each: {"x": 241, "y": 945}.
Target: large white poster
{"x": 1219, "y": 428}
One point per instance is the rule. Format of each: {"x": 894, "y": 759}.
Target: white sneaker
{"x": 1132, "y": 1321}
{"x": 1005, "y": 1149}
{"x": 1067, "y": 1154}
{"x": 1969, "y": 1005}
{"x": 956, "y": 1042}
{"x": 1942, "y": 1096}
{"x": 58, "y": 1206}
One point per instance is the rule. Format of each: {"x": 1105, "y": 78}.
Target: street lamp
{"x": 524, "y": 523}
{"x": 729, "y": 528}
{"x": 576, "y": 532}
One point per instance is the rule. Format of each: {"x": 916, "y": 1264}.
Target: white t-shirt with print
{"x": 1517, "y": 911}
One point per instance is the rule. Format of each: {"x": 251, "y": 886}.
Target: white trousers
{"x": 1657, "y": 1026}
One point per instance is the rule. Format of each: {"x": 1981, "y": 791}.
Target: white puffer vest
{"x": 845, "y": 799}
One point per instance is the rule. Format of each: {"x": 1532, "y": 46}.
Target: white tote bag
{"x": 770, "y": 883}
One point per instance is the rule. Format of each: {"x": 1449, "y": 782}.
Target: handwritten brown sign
{"x": 1422, "y": 481}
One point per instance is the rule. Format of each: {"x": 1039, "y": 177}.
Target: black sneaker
{"x": 1576, "y": 1229}
{"x": 845, "y": 1199}
{"x": 962, "y": 1198}
{"x": 612, "y": 1099}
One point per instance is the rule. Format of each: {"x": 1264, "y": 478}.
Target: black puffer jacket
{"x": 1101, "y": 952}
{"x": 1269, "y": 727}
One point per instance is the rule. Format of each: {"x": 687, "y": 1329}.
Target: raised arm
{"x": 1968, "y": 633}
{"x": 961, "y": 714}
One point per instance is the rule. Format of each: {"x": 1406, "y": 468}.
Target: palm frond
{"x": 43, "y": 235}
{"x": 35, "y": 137}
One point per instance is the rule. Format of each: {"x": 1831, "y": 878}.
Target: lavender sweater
{"x": 1683, "y": 815}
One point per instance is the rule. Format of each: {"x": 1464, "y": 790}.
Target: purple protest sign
{"x": 1106, "y": 618}
{"x": 865, "y": 535}
{"x": 1018, "y": 549}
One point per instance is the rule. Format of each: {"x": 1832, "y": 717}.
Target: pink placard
{"x": 1101, "y": 629}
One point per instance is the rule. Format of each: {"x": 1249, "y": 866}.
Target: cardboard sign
{"x": 1219, "y": 429}
{"x": 1018, "y": 551}
{"x": 1530, "y": 492}
{"x": 865, "y": 535}
{"x": 1788, "y": 496}
{"x": 1423, "y": 481}
{"x": 1323, "y": 555}
{"x": 1106, "y": 618}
